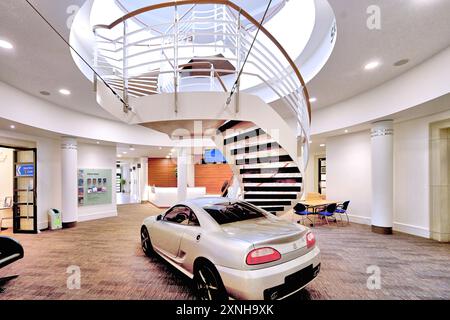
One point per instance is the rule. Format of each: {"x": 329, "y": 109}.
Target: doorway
{"x": 439, "y": 181}
{"x": 18, "y": 189}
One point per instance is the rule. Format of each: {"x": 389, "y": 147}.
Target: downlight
{"x": 6, "y": 45}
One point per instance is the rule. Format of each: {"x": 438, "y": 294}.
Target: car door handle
{"x": 199, "y": 236}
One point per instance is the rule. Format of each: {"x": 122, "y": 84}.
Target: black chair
{"x": 342, "y": 209}
{"x": 10, "y": 251}
{"x": 301, "y": 210}
{"x": 329, "y": 212}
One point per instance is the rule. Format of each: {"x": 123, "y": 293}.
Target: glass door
{"x": 24, "y": 199}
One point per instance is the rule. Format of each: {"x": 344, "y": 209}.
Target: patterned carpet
{"x": 114, "y": 267}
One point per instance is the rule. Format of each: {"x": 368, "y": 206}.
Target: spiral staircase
{"x": 267, "y": 175}
{"x": 186, "y": 71}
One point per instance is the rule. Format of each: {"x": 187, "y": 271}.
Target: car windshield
{"x": 230, "y": 212}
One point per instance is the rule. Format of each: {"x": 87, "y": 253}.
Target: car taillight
{"x": 310, "y": 240}
{"x": 262, "y": 255}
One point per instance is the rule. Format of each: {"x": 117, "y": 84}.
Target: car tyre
{"x": 208, "y": 283}
{"x": 146, "y": 243}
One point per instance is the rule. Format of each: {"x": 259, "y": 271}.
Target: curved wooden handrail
{"x": 221, "y": 2}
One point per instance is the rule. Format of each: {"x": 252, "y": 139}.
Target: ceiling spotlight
{"x": 313, "y": 99}
{"x": 173, "y": 150}
{"x": 119, "y": 156}
{"x": 98, "y": 142}
{"x": 322, "y": 145}
{"x": 132, "y": 149}
{"x": 64, "y": 92}
{"x": 6, "y": 45}
{"x": 346, "y": 131}
{"x": 12, "y": 126}
{"x": 372, "y": 65}
{"x": 160, "y": 148}
{"x": 168, "y": 157}
{"x": 124, "y": 152}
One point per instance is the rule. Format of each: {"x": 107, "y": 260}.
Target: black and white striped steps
{"x": 270, "y": 177}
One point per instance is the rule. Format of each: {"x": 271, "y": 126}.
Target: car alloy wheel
{"x": 209, "y": 285}
{"x": 145, "y": 242}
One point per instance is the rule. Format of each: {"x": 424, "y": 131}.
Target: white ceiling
{"x": 40, "y": 59}
{"x": 410, "y": 29}
{"x": 413, "y": 29}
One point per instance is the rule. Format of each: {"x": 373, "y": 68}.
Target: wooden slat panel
{"x": 161, "y": 172}
{"x": 212, "y": 176}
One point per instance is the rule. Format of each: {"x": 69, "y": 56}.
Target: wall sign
{"x": 25, "y": 170}
{"x": 94, "y": 187}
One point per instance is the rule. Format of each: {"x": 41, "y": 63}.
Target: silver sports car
{"x": 233, "y": 249}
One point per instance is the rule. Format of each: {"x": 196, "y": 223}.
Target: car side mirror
{"x": 158, "y": 218}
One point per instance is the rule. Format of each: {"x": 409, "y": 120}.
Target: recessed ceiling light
{"x": 64, "y": 92}
{"x": 372, "y": 65}
{"x": 6, "y": 45}
{"x": 160, "y": 148}
{"x": 98, "y": 142}
{"x": 400, "y": 63}
{"x": 173, "y": 150}
{"x": 346, "y": 131}
{"x": 45, "y": 93}
{"x": 168, "y": 157}
{"x": 132, "y": 149}
{"x": 12, "y": 126}
{"x": 119, "y": 156}
{"x": 322, "y": 145}
{"x": 313, "y": 99}
{"x": 124, "y": 152}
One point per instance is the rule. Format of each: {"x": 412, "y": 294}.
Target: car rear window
{"x": 230, "y": 212}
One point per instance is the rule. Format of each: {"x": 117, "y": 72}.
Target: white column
{"x": 182, "y": 168}
{"x": 143, "y": 179}
{"x": 69, "y": 176}
{"x": 382, "y": 177}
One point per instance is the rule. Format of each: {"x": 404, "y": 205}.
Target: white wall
{"x": 98, "y": 157}
{"x": 349, "y": 173}
{"x": 21, "y": 107}
{"x": 48, "y": 178}
{"x": 6, "y": 182}
{"x": 412, "y": 174}
{"x": 6, "y": 174}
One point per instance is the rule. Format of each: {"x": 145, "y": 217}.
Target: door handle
{"x": 199, "y": 236}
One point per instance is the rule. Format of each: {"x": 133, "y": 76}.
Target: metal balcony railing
{"x": 201, "y": 47}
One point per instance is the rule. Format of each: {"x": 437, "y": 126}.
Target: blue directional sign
{"x": 25, "y": 170}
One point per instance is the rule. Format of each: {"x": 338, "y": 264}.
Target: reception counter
{"x": 167, "y": 197}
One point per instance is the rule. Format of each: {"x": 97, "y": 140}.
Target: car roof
{"x": 205, "y": 201}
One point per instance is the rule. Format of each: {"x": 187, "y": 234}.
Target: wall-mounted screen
{"x": 214, "y": 156}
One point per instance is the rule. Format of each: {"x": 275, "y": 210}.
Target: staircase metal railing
{"x": 201, "y": 47}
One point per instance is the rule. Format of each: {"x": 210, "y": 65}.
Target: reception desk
{"x": 167, "y": 197}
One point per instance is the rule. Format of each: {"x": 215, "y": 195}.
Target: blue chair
{"x": 302, "y": 211}
{"x": 329, "y": 212}
{"x": 342, "y": 209}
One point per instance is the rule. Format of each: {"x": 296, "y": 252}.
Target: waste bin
{"x": 54, "y": 219}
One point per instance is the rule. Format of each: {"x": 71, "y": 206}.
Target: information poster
{"x": 94, "y": 187}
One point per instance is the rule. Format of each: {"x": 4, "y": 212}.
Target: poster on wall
{"x": 94, "y": 187}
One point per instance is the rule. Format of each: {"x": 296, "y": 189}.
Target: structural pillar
{"x": 382, "y": 135}
{"x": 182, "y": 168}
{"x": 143, "y": 178}
{"x": 69, "y": 176}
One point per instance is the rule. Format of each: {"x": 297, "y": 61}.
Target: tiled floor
{"x": 114, "y": 267}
